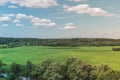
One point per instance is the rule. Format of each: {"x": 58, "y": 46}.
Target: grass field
{"x": 2, "y": 79}
{"x": 94, "y": 55}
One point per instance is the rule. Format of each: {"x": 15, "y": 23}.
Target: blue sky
{"x": 60, "y": 18}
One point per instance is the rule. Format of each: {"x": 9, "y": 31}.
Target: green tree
{"x": 41, "y": 69}
{"x": 29, "y": 68}
{"x": 1, "y": 66}
{"x": 15, "y": 69}
{"x": 109, "y": 75}
{"x": 73, "y": 66}
{"x": 55, "y": 71}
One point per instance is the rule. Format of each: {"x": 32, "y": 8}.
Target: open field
{"x": 94, "y": 55}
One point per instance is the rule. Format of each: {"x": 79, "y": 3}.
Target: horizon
{"x": 57, "y": 38}
{"x": 56, "y": 19}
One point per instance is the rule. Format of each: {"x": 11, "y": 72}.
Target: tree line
{"x": 70, "y": 42}
{"x": 72, "y": 69}
{"x": 116, "y": 49}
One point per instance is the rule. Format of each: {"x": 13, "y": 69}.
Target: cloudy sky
{"x": 60, "y": 18}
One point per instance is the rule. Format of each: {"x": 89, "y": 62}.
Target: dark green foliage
{"x": 1, "y": 66}
{"x": 15, "y": 69}
{"x": 41, "y": 69}
{"x": 55, "y": 72}
{"x": 115, "y": 49}
{"x": 73, "y": 69}
{"x": 49, "y": 70}
{"x": 2, "y": 70}
{"x": 12, "y": 76}
{"x": 73, "y": 66}
{"x": 3, "y": 46}
{"x": 72, "y": 42}
{"x": 109, "y": 75}
{"x": 29, "y": 68}
{"x": 77, "y": 70}
{"x": 14, "y": 73}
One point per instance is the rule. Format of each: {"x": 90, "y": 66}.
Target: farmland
{"x": 37, "y": 54}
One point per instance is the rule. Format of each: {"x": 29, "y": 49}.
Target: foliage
{"x": 109, "y": 75}
{"x": 71, "y": 42}
{"x": 115, "y": 49}
{"x": 72, "y": 69}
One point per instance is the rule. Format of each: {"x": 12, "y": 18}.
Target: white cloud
{"x": 8, "y": 15}
{"x": 21, "y": 16}
{"x": 42, "y": 22}
{"x": 77, "y": 0}
{"x": 19, "y": 25}
{"x": 5, "y": 19}
{"x": 18, "y": 18}
{"x": 69, "y": 26}
{"x": 31, "y": 3}
{"x": 16, "y": 21}
{"x": 4, "y": 25}
{"x": 45, "y": 24}
{"x": 35, "y": 20}
{"x": 86, "y": 9}
{"x": 3, "y": 2}
{"x": 12, "y": 6}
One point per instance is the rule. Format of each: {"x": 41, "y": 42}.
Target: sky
{"x": 60, "y": 18}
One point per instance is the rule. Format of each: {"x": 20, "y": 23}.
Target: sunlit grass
{"x": 94, "y": 55}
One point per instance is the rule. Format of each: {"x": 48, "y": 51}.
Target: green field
{"x": 94, "y": 55}
{"x": 2, "y": 79}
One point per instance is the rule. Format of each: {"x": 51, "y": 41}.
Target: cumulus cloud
{"x": 32, "y": 3}
{"x": 5, "y": 19}
{"x": 16, "y": 21}
{"x": 21, "y": 16}
{"x": 86, "y": 9}
{"x": 8, "y": 15}
{"x": 19, "y": 25}
{"x": 45, "y": 24}
{"x": 69, "y": 26}
{"x": 42, "y": 22}
{"x": 18, "y": 18}
{"x": 12, "y": 6}
{"x": 35, "y": 20}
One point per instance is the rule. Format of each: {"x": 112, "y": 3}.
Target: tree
{"x": 55, "y": 71}
{"x": 109, "y": 75}
{"x": 1, "y": 66}
{"x": 29, "y": 68}
{"x": 12, "y": 76}
{"x": 73, "y": 66}
{"x": 41, "y": 69}
{"x": 15, "y": 69}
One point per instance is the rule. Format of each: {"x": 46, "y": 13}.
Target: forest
{"x": 71, "y": 42}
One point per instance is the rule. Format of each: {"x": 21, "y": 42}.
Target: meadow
{"x": 37, "y": 54}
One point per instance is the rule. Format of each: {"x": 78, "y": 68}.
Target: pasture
{"x": 37, "y": 54}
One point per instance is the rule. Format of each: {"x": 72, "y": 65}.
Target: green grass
{"x": 93, "y": 55}
{"x": 2, "y": 79}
